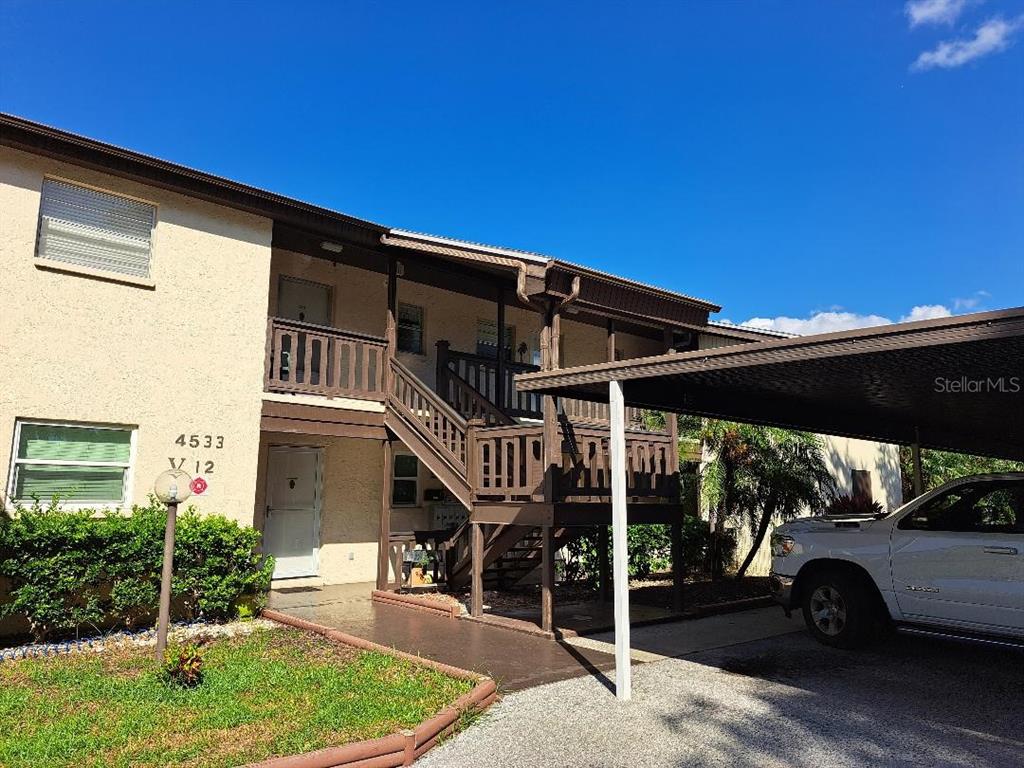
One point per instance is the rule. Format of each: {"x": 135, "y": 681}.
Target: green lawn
{"x": 275, "y": 692}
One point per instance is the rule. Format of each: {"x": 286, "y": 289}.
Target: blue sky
{"x": 856, "y": 159}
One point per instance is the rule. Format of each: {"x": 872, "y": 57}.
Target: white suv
{"x": 949, "y": 562}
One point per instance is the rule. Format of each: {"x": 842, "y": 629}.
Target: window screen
{"x": 410, "y": 328}
{"x": 94, "y": 229}
{"x": 80, "y": 464}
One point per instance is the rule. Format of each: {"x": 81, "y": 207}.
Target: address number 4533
{"x": 201, "y": 441}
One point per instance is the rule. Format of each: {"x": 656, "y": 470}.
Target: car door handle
{"x": 1000, "y": 550}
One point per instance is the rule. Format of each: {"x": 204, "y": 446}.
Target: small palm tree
{"x": 757, "y": 474}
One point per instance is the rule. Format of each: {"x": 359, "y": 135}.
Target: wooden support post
{"x": 502, "y": 397}
{"x": 384, "y": 548}
{"x": 391, "y": 320}
{"x": 620, "y": 552}
{"x": 672, "y": 424}
{"x": 552, "y": 436}
{"x": 476, "y": 585}
{"x": 603, "y": 573}
{"x": 547, "y": 584}
{"x": 678, "y": 567}
{"x": 611, "y": 341}
{"x": 915, "y": 453}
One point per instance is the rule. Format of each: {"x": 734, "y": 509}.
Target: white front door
{"x": 959, "y": 558}
{"x": 291, "y": 532}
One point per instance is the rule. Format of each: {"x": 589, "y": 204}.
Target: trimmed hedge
{"x": 69, "y": 571}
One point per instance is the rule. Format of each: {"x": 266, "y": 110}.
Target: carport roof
{"x": 954, "y": 383}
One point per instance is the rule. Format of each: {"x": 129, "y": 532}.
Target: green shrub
{"x": 70, "y": 571}
{"x": 650, "y": 550}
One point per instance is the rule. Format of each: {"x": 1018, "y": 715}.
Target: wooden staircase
{"x": 494, "y": 460}
{"x": 511, "y": 552}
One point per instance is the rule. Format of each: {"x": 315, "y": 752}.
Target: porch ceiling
{"x": 953, "y": 384}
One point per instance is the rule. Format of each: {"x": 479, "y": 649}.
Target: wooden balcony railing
{"x": 481, "y": 373}
{"x": 318, "y": 360}
{"x": 592, "y": 412}
{"x": 651, "y": 465}
{"x": 507, "y": 464}
{"x": 462, "y": 378}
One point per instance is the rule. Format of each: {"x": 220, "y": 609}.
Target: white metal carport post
{"x": 620, "y": 553}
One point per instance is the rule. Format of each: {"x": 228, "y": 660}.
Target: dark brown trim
{"x": 529, "y": 513}
{"x": 599, "y": 513}
{"x": 1008, "y": 322}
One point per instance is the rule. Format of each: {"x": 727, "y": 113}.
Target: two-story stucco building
{"x": 345, "y": 387}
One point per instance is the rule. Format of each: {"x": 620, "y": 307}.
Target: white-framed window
{"x": 83, "y": 464}
{"x": 405, "y": 490}
{"x": 410, "y": 328}
{"x": 93, "y": 230}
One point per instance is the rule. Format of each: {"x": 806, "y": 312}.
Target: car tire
{"x": 838, "y": 609}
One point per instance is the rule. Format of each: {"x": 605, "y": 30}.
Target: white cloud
{"x": 819, "y": 322}
{"x": 826, "y": 322}
{"x": 991, "y": 37}
{"x": 974, "y": 301}
{"x": 933, "y": 11}
{"x": 926, "y": 312}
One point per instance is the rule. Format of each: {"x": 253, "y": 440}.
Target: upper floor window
{"x": 83, "y": 227}
{"x": 81, "y": 464}
{"x": 410, "y": 329}
{"x": 487, "y": 339}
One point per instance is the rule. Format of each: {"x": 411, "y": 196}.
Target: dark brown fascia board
{"x": 633, "y": 284}
{"x": 29, "y": 136}
{"x": 1007, "y": 322}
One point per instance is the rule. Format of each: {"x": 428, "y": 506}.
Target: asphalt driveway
{"x": 780, "y": 701}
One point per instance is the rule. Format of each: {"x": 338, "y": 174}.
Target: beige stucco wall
{"x": 183, "y": 357}
{"x": 842, "y": 455}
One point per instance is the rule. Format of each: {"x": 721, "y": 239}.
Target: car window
{"x": 986, "y": 507}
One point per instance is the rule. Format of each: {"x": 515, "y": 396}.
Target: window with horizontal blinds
{"x": 78, "y": 463}
{"x": 95, "y": 229}
{"x": 410, "y": 328}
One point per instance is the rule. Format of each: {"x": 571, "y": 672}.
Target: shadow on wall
{"x": 882, "y": 460}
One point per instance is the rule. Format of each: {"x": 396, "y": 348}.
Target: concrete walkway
{"x": 662, "y": 641}
{"x": 515, "y": 660}
{"x": 785, "y": 701}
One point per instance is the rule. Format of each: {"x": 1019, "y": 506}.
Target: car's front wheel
{"x": 837, "y": 609}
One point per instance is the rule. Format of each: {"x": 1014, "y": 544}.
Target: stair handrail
{"x": 489, "y": 411}
{"x": 402, "y": 376}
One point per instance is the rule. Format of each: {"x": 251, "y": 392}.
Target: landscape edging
{"x": 396, "y": 749}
